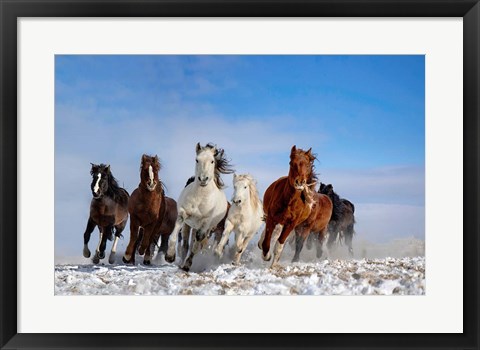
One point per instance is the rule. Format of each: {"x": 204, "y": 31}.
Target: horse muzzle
{"x": 236, "y": 201}
{"x": 300, "y": 186}
{"x": 203, "y": 182}
{"x": 151, "y": 185}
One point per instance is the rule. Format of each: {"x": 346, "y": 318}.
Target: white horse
{"x": 202, "y": 204}
{"x": 244, "y": 217}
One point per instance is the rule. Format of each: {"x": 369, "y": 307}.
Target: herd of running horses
{"x": 184, "y": 227}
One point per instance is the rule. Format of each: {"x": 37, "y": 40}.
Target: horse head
{"x": 149, "y": 169}
{"x": 210, "y": 163}
{"x": 301, "y": 168}
{"x": 242, "y": 187}
{"x": 100, "y": 174}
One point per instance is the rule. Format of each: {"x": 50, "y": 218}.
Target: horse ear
{"x": 310, "y": 155}
{"x": 107, "y": 168}
{"x": 294, "y": 149}
{"x": 218, "y": 153}
{"x": 198, "y": 147}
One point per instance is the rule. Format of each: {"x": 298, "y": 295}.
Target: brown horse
{"x": 108, "y": 210}
{"x": 316, "y": 223}
{"x": 285, "y": 202}
{"x": 152, "y": 214}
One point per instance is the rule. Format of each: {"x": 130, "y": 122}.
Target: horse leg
{"x": 280, "y": 237}
{"x": 348, "y": 239}
{"x": 86, "y": 237}
{"x": 102, "y": 243}
{"x": 198, "y": 237}
{"x": 310, "y": 240}
{"x": 270, "y": 227}
{"x": 224, "y": 239}
{"x": 129, "y": 256}
{"x": 146, "y": 238}
{"x": 118, "y": 233}
{"x": 172, "y": 240}
{"x": 163, "y": 244}
{"x": 300, "y": 236}
{"x": 321, "y": 239}
{"x": 242, "y": 242}
{"x": 184, "y": 241}
{"x": 332, "y": 237}
{"x": 262, "y": 238}
{"x": 107, "y": 232}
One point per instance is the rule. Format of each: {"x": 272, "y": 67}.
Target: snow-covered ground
{"x": 336, "y": 275}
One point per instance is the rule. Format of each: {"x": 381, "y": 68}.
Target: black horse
{"x": 341, "y": 225}
{"x": 108, "y": 211}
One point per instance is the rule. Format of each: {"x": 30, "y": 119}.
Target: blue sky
{"x": 362, "y": 115}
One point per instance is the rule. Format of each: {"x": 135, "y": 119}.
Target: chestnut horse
{"x": 108, "y": 210}
{"x": 316, "y": 223}
{"x": 285, "y": 202}
{"x": 152, "y": 214}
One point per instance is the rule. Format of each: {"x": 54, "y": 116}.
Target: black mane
{"x": 222, "y": 164}
{"x": 117, "y": 193}
{"x": 338, "y": 204}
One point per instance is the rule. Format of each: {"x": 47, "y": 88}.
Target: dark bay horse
{"x": 285, "y": 202}
{"x": 316, "y": 223}
{"x": 108, "y": 211}
{"x": 152, "y": 214}
{"x": 343, "y": 219}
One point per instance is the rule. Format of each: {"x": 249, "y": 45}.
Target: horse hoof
{"x": 294, "y": 260}
{"x": 267, "y": 257}
{"x": 86, "y": 253}
{"x": 185, "y": 268}
{"x": 101, "y": 255}
{"x": 111, "y": 258}
{"x": 95, "y": 259}
{"x": 147, "y": 262}
{"x": 169, "y": 259}
{"x": 125, "y": 260}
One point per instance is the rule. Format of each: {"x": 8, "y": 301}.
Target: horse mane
{"x": 155, "y": 163}
{"x": 254, "y": 197}
{"x": 338, "y": 204}
{"x": 117, "y": 193}
{"x": 190, "y": 180}
{"x": 222, "y": 164}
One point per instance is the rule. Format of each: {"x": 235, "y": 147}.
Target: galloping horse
{"x": 244, "y": 217}
{"x": 152, "y": 214}
{"x": 202, "y": 204}
{"x": 342, "y": 221}
{"x": 216, "y": 231}
{"x": 286, "y": 202}
{"x": 108, "y": 210}
{"x": 317, "y": 222}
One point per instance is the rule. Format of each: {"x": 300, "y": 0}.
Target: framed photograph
{"x": 239, "y": 175}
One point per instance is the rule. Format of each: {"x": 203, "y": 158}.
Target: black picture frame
{"x": 12, "y": 10}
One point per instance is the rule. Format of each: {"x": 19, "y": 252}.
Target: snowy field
{"x": 400, "y": 272}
